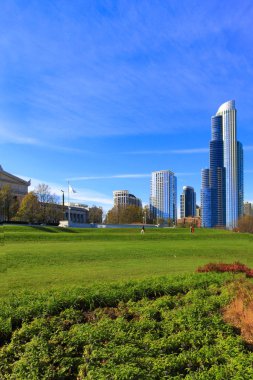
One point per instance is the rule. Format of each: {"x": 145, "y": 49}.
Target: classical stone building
{"x": 18, "y": 186}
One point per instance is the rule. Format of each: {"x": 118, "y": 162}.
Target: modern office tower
{"x": 163, "y": 195}
{"x": 226, "y": 170}
{"x": 122, "y": 198}
{"x": 233, "y": 163}
{"x": 187, "y": 202}
{"x": 206, "y": 201}
{"x": 217, "y": 173}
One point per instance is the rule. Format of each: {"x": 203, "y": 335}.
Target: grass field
{"x": 40, "y": 258}
{"x": 104, "y": 304}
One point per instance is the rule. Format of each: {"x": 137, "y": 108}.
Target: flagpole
{"x": 69, "y": 207}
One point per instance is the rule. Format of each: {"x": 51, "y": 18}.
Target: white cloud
{"x": 109, "y": 177}
{"x": 248, "y": 147}
{"x": 140, "y": 175}
{"x": 8, "y": 136}
{"x": 171, "y": 151}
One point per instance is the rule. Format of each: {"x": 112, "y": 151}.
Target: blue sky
{"x": 102, "y": 93}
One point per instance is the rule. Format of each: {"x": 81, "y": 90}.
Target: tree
{"x": 245, "y": 224}
{"x": 8, "y": 203}
{"x": 112, "y": 216}
{"x": 95, "y": 214}
{"x": 147, "y": 216}
{"x": 50, "y": 211}
{"x": 125, "y": 215}
{"x": 29, "y": 210}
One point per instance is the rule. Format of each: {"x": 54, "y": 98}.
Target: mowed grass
{"x": 39, "y": 258}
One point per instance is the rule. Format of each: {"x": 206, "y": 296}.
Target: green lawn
{"x": 47, "y": 257}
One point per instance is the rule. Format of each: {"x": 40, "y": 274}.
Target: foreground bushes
{"x": 164, "y": 328}
{"x": 236, "y": 267}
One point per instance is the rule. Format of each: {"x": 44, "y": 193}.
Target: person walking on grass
{"x": 142, "y": 230}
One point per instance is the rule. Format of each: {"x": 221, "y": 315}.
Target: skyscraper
{"x": 122, "y": 198}
{"x": 163, "y": 195}
{"x": 187, "y": 202}
{"x": 225, "y": 187}
{"x": 217, "y": 174}
{"x": 206, "y": 200}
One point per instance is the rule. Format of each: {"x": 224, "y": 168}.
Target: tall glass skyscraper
{"x": 225, "y": 186}
{"x": 217, "y": 174}
{"x": 206, "y": 199}
{"x": 163, "y": 195}
{"x": 187, "y": 202}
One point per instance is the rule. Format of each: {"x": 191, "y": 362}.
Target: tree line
{"x": 41, "y": 206}
{"x": 38, "y": 206}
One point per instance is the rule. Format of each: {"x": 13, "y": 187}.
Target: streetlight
{"x": 63, "y": 204}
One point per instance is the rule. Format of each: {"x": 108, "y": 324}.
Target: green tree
{"x": 30, "y": 210}
{"x": 245, "y": 224}
{"x": 125, "y": 215}
{"x": 50, "y": 210}
{"x": 95, "y": 214}
{"x": 8, "y": 203}
{"x": 112, "y": 216}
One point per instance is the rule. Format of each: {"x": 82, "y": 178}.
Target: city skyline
{"x": 222, "y": 185}
{"x": 104, "y": 93}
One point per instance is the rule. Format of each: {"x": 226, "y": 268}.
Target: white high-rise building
{"x": 163, "y": 195}
{"x": 233, "y": 163}
{"x": 122, "y": 198}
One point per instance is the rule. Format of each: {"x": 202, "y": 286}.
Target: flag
{"x": 71, "y": 190}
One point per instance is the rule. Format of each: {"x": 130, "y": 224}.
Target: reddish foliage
{"x": 236, "y": 267}
{"x": 239, "y": 312}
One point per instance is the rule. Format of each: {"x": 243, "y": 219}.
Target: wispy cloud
{"x": 109, "y": 177}
{"x": 133, "y": 176}
{"x": 103, "y": 80}
{"x": 7, "y": 136}
{"x": 248, "y": 147}
{"x": 169, "y": 151}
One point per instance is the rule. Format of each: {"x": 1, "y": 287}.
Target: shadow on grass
{"x": 54, "y": 230}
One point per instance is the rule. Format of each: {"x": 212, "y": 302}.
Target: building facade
{"x": 188, "y": 202}
{"x": 18, "y": 187}
{"x": 217, "y": 180}
{"x": 205, "y": 196}
{"x": 122, "y": 198}
{"x": 163, "y": 195}
{"x": 76, "y": 213}
{"x": 222, "y": 192}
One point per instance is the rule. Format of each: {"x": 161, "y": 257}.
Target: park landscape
{"x": 118, "y": 304}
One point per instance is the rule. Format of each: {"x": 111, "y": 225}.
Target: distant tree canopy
{"x": 50, "y": 212}
{"x": 95, "y": 214}
{"x": 29, "y": 210}
{"x": 125, "y": 215}
{"x": 8, "y": 203}
{"x": 245, "y": 224}
{"x": 40, "y": 206}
